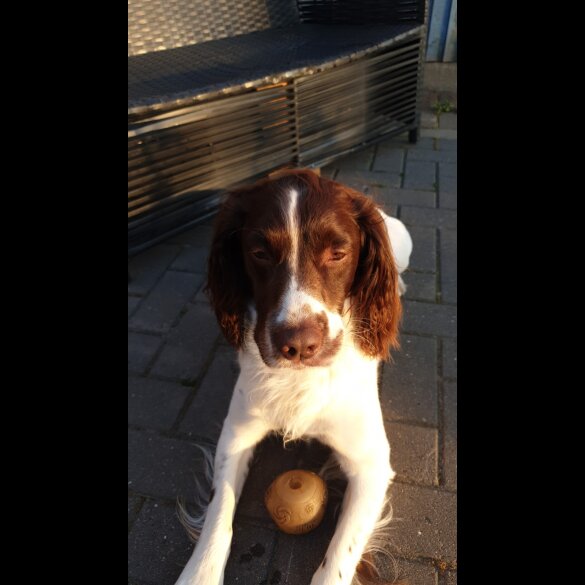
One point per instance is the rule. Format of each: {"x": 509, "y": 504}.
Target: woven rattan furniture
{"x": 224, "y": 91}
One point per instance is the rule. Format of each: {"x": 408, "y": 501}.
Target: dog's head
{"x": 312, "y": 259}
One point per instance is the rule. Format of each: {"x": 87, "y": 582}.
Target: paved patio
{"x": 181, "y": 374}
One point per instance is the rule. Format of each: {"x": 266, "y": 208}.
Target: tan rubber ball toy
{"x": 296, "y": 501}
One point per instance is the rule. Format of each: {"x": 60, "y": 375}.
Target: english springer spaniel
{"x": 304, "y": 279}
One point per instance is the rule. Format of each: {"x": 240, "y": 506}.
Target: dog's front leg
{"x": 234, "y": 450}
{"x": 368, "y": 480}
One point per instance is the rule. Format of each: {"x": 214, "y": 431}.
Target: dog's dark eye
{"x": 336, "y": 256}
{"x": 260, "y": 254}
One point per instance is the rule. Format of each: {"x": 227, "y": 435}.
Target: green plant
{"x": 442, "y": 107}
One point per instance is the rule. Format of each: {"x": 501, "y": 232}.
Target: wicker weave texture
{"x": 156, "y": 25}
{"x": 162, "y": 77}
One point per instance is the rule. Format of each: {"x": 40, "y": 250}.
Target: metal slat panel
{"x": 403, "y": 76}
{"x": 339, "y": 74}
{"x": 346, "y": 109}
{"x": 345, "y": 142}
{"x": 206, "y": 150}
{"x": 197, "y": 173}
{"x": 375, "y": 96}
{"x": 318, "y": 94}
{"x": 202, "y": 139}
{"x": 257, "y": 111}
{"x": 216, "y": 108}
{"x": 316, "y": 131}
{"x": 189, "y": 157}
{"x": 147, "y": 216}
{"x": 176, "y": 185}
{"x": 218, "y": 151}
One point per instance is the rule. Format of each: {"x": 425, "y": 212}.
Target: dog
{"x": 304, "y": 278}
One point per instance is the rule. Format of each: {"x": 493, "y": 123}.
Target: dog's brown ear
{"x": 376, "y": 305}
{"x": 228, "y": 286}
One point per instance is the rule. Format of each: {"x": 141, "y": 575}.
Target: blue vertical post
{"x": 450, "y": 53}
{"x": 439, "y": 22}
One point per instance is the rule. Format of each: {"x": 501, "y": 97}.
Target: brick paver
{"x": 448, "y": 121}
{"x": 358, "y": 161}
{"x": 416, "y": 573}
{"x": 181, "y": 375}
{"x": 407, "y": 197}
{"x": 420, "y": 175}
{"x": 424, "y": 251}
{"x": 158, "y": 546}
{"x": 134, "y": 505}
{"x": 445, "y": 134}
{"x": 191, "y": 259}
{"x": 447, "y": 199}
{"x": 414, "y": 454}
{"x": 430, "y": 319}
{"x": 423, "y": 216}
{"x": 408, "y": 391}
{"x": 450, "y": 435}
{"x": 446, "y": 144}
{"x": 154, "y": 403}
{"x": 421, "y": 286}
{"x": 188, "y": 344}
{"x": 252, "y": 548}
{"x": 448, "y": 168}
{"x": 389, "y": 160}
{"x": 133, "y": 303}
{"x": 446, "y": 156}
{"x": 210, "y": 406}
{"x": 197, "y": 237}
{"x": 146, "y": 268}
{"x": 368, "y": 182}
{"x": 159, "y": 310}
{"x": 448, "y": 249}
{"x": 141, "y": 350}
{"x": 425, "y": 524}
{"x": 162, "y": 467}
{"x": 450, "y": 358}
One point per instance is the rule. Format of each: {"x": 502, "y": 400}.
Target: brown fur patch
{"x": 344, "y": 250}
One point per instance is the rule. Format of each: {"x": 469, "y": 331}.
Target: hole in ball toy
{"x": 294, "y": 484}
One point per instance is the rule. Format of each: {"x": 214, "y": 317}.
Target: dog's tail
{"x": 193, "y": 522}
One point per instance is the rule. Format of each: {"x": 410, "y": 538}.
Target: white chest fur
{"x": 306, "y": 402}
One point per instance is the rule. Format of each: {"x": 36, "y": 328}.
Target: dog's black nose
{"x": 298, "y": 343}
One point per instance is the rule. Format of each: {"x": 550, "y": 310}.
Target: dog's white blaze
{"x": 292, "y": 227}
{"x": 295, "y": 300}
